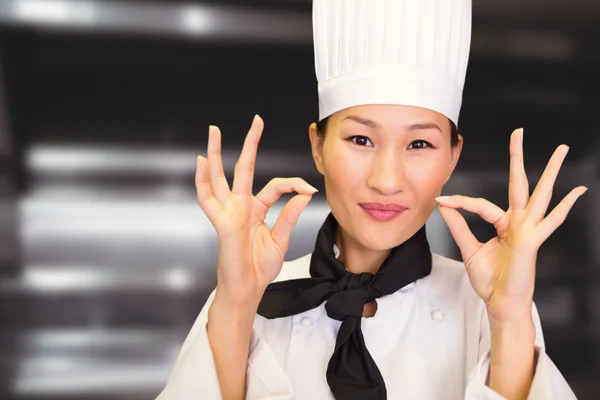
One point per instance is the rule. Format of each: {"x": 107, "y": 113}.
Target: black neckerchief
{"x": 351, "y": 372}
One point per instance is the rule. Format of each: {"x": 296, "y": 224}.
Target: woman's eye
{"x": 361, "y": 140}
{"x": 420, "y": 144}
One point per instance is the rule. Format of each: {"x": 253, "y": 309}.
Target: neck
{"x": 356, "y": 257}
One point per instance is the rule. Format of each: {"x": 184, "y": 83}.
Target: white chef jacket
{"x": 430, "y": 340}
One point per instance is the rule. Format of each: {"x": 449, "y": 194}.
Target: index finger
{"x": 518, "y": 186}
{"x": 244, "y": 168}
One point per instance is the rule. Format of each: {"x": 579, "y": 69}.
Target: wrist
{"x": 512, "y": 342}
{"x": 234, "y": 310}
{"x": 240, "y": 294}
{"x": 511, "y": 315}
{"x": 512, "y": 357}
{"x": 521, "y": 325}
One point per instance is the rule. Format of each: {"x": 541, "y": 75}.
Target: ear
{"x": 456, "y": 151}
{"x": 316, "y": 144}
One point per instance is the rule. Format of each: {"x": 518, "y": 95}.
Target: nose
{"x": 387, "y": 173}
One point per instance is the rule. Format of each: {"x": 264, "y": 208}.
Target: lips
{"x": 383, "y": 212}
{"x": 383, "y": 206}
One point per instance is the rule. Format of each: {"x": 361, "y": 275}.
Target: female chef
{"x": 371, "y": 313}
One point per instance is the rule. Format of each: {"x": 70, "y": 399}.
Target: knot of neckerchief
{"x": 351, "y": 372}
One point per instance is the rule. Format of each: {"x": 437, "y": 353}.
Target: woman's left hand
{"x": 502, "y": 271}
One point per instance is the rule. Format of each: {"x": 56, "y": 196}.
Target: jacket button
{"x": 305, "y": 322}
{"x": 437, "y": 315}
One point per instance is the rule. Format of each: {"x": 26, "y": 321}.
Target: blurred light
{"x": 74, "y": 338}
{"x": 49, "y": 279}
{"x": 86, "y": 375}
{"x": 85, "y": 361}
{"x": 53, "y": 160}
{"x": 85, "y": 279}
{"x": 90, "y": 339}
{"x": 195, "y": 20}
{"x": 137, "y": 219}
{"x": 178, "y": 278}
{"x": 160, "y": 18}
{"x": 80, "y": 160}
{"x": 55, "y": 11}
{"x": 58, "y": 363}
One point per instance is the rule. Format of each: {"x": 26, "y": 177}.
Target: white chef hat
{"x": 406, "y": 52}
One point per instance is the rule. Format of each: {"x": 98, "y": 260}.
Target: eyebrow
{"x": 424, "y": 126}
{"x": 373, "y": 124}
{"x": 363, "y": 121}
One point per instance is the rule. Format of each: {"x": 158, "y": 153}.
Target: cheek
{"x": 343, "y": 169}
{"x": 427, "y": 175}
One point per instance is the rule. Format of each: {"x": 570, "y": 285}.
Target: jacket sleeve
{"x": 194, "y": 376}
{"x": 548, "y": 383}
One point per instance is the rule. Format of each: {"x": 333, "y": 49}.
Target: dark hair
{"x": 322, "y": 128}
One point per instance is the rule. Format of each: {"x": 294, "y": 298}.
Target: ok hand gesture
{"x": 250, "y": 253}
{"x": 502, "y": 271}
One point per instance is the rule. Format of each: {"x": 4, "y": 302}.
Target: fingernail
{"x": 311, "y": 188}
{"x": 441, "y": 199}
{"x": 521, "y": 135}
{"x": 585, "y": 189}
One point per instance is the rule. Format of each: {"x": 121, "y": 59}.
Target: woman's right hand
{"x": 250, "y": 253}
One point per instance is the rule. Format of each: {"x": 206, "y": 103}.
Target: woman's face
{"x": 379, "y": 156}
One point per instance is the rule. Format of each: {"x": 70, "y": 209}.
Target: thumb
{"x": 288, "y": 218}
{"x": 459, "y": 229}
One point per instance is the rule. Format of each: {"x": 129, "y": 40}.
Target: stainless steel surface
{"x": 72, "y": 162}
{"x": 106, "y": 103}
{"x": 76, "y": 362}
{"x": 184, "y": 20}
{"x": 110, "y": 321}
{"x": 236, "y": 21}
{"x": 5, "y": 135}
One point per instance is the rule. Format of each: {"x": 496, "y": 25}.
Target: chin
{"x": 375, "y": 237}
{"x": 379, "y": 242}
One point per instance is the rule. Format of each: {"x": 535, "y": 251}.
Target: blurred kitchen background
{"x": 105, "y": 257}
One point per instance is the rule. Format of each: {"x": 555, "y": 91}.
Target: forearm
{"x": 512, "y": 358}
{"x": 229, "y": 333}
